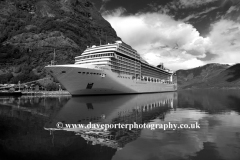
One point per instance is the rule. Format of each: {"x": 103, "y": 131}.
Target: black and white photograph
{"x": 120, "y": 79}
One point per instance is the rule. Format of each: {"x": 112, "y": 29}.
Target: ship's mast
{"x": 100, "y": 41}
{"x": 53, "y": 61}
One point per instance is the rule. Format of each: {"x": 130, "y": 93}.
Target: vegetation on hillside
{"x": 210, "y": 76}
{"x": 31, "y": 30}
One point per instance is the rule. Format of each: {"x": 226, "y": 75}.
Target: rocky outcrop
{"x": 32, "y": 29}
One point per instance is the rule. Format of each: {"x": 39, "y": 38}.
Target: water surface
{"x": 28, "y": 126}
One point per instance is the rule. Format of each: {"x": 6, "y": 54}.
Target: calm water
{"x": 28, "y": 127}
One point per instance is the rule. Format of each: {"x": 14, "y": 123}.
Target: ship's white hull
{"x": 102, "y": 81}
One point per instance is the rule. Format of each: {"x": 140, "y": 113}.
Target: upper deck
{"x": 119, "y": 47}
{"x": 122, "y": 58}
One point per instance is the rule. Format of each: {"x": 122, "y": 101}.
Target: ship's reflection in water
{"x": 124, "y": 109}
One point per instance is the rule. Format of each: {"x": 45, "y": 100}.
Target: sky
{"x": 182, "y": 34}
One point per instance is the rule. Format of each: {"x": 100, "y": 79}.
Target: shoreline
{"x": 47, "y": 93}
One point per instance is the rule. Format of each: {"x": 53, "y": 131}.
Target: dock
{"x": 46, "y": 93}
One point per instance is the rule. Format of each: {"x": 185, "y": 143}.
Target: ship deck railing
{"x": 164, "y": 82}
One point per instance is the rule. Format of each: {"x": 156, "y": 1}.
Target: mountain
{"x": 210, "y": 76}
{"x": 30, "y": 31}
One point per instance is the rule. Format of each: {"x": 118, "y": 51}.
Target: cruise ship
{"x": 112, "y": 69}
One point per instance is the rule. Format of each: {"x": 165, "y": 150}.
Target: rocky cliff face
{"x": 30, "y": 30}
{"x": 210, "y": 76}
